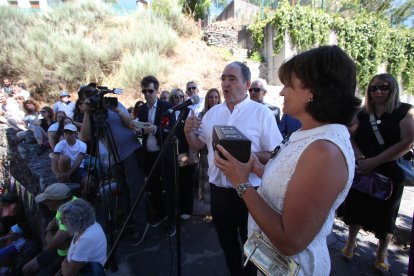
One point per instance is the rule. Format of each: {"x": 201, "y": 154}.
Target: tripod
{"x": 105, "y": 166}
{"x": 166, "y": 143}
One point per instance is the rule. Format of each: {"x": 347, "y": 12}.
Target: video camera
{"x": 97, "y": 101}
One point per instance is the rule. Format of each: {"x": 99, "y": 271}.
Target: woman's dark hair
{"x": 330, "y": 74}
{"x": 59, "y": 131}
{"x": 135, "y": 110}
{"x": 56, "y": 114}
{"x": 50, "y": 112}
{"x": 77, "y": 113}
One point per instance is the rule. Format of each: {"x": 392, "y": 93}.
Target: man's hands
{"x": 192, "y": 124}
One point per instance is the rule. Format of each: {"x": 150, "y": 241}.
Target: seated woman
{"x": 87, "y": 251}
{"x": 10, "y": 112}
{"x": 309, "y": 176}
{"x": 40, "y": 130}
{"x": 30, "y": 119}
{"x": 51, "y": 131}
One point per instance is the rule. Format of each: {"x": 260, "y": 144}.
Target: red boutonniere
{"x": 165, "y": 122}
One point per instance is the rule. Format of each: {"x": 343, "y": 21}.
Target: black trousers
{"x": 230, "y": 219}
{"x": 156, "y": 205}
{"x": 186, "y": 182}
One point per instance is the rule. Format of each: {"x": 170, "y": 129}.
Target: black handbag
{"x": 373, "y": 184}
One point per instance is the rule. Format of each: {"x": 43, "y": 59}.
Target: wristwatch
{"x": 241, "y": 188}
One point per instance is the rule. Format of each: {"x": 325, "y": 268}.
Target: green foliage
{"x": 170, "y": 11}
{"x": 198, "y": 9}
{"x": 367, "y": 38}
{"x": 82, "y": 41}
{"x": 256, "y": 56}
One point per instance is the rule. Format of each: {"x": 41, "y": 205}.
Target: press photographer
{"x": 115, "y": 119}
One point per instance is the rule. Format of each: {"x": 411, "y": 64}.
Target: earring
{"x": 310, "y": 100}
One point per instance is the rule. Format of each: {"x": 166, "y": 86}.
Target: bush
{"x": 83, "y": 41}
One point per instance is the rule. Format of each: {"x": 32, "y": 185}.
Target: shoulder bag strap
{"x": 375, "y": 128}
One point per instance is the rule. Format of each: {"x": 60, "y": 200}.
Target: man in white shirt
{"x": 191, "y": 90}
{"x": 67, "y": 161}
{"x": 257, "y": 123}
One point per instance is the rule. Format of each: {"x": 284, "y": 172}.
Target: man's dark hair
{"x": 150, "y": 79}
{"x": 244, "y": 70}
{"x": 190, "y": 82}
{"x": 330, "y": 74}
{"x": 87, "y": 90}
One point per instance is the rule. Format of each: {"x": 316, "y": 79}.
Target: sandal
{"x": 348, "y": 256}
{"x": 382, "y": 267}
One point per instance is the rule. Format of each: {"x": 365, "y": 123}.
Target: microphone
{"x": 191, "y": 101}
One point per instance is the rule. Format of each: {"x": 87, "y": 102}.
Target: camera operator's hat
{"x": 56, "y": 191}
{"x": 64, "y": 93}
{"x": 70, "y": 127}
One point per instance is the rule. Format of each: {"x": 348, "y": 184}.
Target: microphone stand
{"x": 141, "y": 192}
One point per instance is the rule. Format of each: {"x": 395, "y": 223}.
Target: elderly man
{"x": 257, "y": 123}
{"x": 64, "y": 104}
{"x": 191, "y": 90}
{"x": 258, "y": 90}
{"x": 56, "y": 236}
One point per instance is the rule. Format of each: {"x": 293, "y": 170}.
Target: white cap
{"x": 70, "y": 127}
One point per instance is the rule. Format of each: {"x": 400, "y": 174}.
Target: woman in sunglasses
{"x": 395, "y": 121}
{"x": 186, "y": 160}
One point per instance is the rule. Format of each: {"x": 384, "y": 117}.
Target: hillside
{"x": 191, "y": 59}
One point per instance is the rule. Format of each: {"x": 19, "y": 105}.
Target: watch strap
{"x": 241, "y": 188}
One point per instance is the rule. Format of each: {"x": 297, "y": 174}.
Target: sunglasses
{"x": 178, "y": 97}
{"x": 191, "y": 88}
{"x": 382, "y": 88}
{"x": 42, "y": 111}
{"x": 150, "y": 91}
{"x": 255, "y": 90}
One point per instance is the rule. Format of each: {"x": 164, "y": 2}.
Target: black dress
{"x": 373, "y": 214}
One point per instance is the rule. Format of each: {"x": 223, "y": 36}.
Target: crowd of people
{"x": 316, "y": 145}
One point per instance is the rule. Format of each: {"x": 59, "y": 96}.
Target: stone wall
{"x": 26, "y": 174}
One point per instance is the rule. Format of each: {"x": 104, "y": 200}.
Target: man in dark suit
{"x": 158, "y": 123}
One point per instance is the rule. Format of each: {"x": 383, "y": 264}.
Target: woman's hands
{"x": 236, "y": 171}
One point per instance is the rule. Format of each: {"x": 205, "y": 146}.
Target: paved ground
{"x": 201, "y": 253}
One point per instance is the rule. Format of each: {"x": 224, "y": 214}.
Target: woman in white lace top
{"x": 312, "y": 172}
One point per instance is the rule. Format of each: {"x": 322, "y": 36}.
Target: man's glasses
{"x": 255, "y": 90}
{"x": 150, "y": 91}
{"x": 191, "y": 88}
{"x": 382, "y": 88}
{"x": 178, "y": 96}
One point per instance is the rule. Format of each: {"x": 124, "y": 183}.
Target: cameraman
{"x": 128, "y": 147}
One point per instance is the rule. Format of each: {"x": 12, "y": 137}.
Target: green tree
{"x": 396, "y": 13}
{"x": 199, "y": 8}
